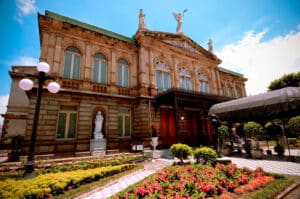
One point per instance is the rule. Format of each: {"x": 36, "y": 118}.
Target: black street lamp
{"x": 26, "y": 84}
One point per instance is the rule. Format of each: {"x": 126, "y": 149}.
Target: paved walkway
{"x": 125, "y": 181}
{"x": 272, "y": 166}
{"x": 281, "y": 167}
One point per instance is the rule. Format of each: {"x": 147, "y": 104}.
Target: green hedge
{"x": 43, "y": 186}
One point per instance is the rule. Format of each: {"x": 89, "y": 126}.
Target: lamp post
{"x": 26, "y": 84}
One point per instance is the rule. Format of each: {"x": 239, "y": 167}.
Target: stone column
{"x": 113, "y": 78}
{"x": 174, "y": 73}
{"x": 88, "y": 63}
{"x": 151, "y": 69}
{"x": 142, "y": 67}
{"x": 57, "y": 56}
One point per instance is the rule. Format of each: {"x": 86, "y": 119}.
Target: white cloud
{"x": 3, "y": 104}
{"x": 25, "y": 7}
{"x": 25, "y": 61}
{"x": 262, "y": 62}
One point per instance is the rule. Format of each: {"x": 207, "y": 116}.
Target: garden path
{"x": 114, "y": 187}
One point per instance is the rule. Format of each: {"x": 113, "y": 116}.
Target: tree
{"x": 253, "y": 130}
{"x": 292, "y": 79}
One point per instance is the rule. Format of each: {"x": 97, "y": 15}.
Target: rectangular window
{"x": 124, "y": 123}
{"x": 185, "y": 83}
{"x": 72, "y": 66}
{"x": 162, "y": 80}
{"x": 76, "y": 66}
{"x": 67, "y": 122}
{"x": 204, "y": 87}
{"x": 67, "y": 68}
{"x": 123, "y": 76}
{"x": 99, "y": 71}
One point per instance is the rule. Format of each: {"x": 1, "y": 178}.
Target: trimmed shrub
{"x": 181, "y": 151}
{"x": 207, "y": 154}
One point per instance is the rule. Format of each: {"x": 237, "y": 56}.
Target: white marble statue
{"x": 178, "y": 17}
{"x": 98, "y": 126}
{"x": 142, "y": 25}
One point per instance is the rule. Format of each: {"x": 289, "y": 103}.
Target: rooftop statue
{"x": 142, "y": 25}
{"x": 210, "y": 45}
{"x": 178, "y": 17}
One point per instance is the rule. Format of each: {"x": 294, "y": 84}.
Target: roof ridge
{"x": 88, "y": 26}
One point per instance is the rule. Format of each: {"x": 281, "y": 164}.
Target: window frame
{"x": 64, "y": 110}
{"x": 99, "y": 61}
{"x": 164, "y": 71}
{"x": 122, "y": 63}
{"x": 124, "y": 115}
{"x": 184, "y": 78}
{"x": 203, "y": 83}
{"x": 71, "y": 50}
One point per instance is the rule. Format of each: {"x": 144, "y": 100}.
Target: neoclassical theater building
{"x": 154, "y": 81}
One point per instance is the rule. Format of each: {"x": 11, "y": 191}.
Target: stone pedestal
{"x": 98, "y": 147}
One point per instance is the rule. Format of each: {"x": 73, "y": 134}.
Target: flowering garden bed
{"x": 199, "y": 181}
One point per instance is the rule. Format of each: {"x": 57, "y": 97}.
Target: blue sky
{"x": 259, "y": 38}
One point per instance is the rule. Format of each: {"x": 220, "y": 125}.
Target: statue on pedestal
{"x": 142, "y": 25}
{"x": 178, "y": 17}
{"x": 98, "y": 126}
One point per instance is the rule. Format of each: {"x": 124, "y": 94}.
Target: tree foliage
{"x": 294, "y": 125}
{"x": 291, "y": 79}
{"x": 253, "y": 129}
{"x": 223, "y": 131}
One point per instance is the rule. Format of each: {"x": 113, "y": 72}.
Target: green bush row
{"x": 47, "y": 185}
{"x": 206, "y": 154}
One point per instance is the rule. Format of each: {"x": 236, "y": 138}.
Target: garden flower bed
{"x": 198, "y": 181}
{"x": 52, "y": 184}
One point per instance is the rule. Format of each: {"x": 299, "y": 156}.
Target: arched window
{"x": 123, "y": 73}
{"x": 100, "y": 68}
{"x": 184, "y": 79}
{"x": 229, "y": 90}
{"x": 162, "y": 76}
{"x": 203, "y": 83}
{"x": 72, "y": 63}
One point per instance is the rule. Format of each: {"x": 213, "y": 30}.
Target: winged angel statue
{"x": 178, "y": 17}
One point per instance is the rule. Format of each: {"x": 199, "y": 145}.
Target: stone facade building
{"x": 153, "y": 82}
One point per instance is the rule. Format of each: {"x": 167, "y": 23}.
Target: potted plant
{"x": 254, "y": 130}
